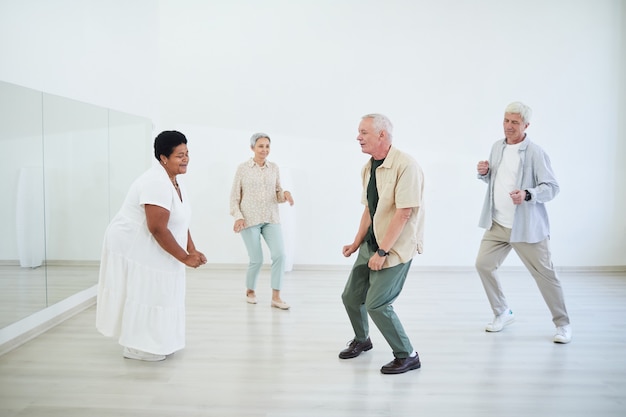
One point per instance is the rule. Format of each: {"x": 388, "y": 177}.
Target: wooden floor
{"x": 252, "y": 360}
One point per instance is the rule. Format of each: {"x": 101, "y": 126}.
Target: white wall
{"x": 305, "y": 71}
{"x": 99, "y": 52}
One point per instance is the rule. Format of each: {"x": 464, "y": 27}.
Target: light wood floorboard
{"x": 252, "y": 360}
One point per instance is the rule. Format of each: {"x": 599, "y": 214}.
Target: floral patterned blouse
{"x": 256, "y": 193}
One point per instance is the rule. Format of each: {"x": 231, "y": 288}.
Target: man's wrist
{"x": 528, "y": 196}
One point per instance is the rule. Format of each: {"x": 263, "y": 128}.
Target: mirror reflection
{"x": 67, "y": 169}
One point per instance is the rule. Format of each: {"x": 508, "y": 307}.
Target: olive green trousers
{"x": 373, "y": 292}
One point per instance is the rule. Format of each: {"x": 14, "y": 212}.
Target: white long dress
{"x": 141, "y": 288}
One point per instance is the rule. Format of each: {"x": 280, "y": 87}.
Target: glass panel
{"x": 130, "y": 154}
{"x": 22, "y": 242}
{"x": 66, "y": 171}
{"x": 77, "y": 202}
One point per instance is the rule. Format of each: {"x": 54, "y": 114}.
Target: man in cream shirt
{"x": 389, "y": 235}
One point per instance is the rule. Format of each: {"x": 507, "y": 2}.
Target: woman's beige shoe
{"x": 280, "y": 304}
{"x": 251, "y": 299}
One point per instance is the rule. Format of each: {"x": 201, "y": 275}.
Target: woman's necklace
{"x": 175, "y": 184}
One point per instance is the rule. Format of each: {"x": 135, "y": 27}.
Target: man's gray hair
{"x": 381, "y": 122}
{"x": 517, "y": 107}
{"x": 258, "y": 136}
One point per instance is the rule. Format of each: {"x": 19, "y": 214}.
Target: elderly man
{"x": 389, "y": 235}
{"x": 520, "y": 181}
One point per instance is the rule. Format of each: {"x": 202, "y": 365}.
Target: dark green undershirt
{"x": 372, "y": 203}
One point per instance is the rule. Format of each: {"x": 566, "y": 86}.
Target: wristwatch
{"x": 381, "y": 252}
{"x": 528, "y": 196}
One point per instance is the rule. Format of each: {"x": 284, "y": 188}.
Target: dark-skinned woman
{"x": 147, "y": 247}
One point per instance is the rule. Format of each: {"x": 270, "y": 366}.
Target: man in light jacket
{"x": 520, "y": 181}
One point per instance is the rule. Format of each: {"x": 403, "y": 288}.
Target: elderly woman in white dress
{"x": 254, "y": 200}
{"x": 141, "y": 289}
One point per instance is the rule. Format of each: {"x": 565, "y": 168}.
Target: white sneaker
{"x": 131, "y": 353}
{"x": 500, "y": 321}
{"x": 563, "y": 334}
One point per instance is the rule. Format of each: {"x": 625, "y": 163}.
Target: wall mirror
{"x": 66, "y": 168}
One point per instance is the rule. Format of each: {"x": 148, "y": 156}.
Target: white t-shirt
{"x": 505, "y": 182}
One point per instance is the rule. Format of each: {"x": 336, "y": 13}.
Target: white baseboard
{"x": 22, "y": 331}
{"x": 424, "y": 268}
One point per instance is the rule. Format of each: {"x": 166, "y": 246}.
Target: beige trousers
{"x": 495, "y": 247}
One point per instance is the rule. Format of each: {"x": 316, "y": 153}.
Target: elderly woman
{"x": 141, "y": 289}
{"x": 254, "y": 200}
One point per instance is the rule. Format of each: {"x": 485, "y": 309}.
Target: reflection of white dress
{"x": 141, "y": 290}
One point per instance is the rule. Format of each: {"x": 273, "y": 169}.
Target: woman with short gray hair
{"x": 254, "y": 200}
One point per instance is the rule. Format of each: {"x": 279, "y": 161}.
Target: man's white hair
{"x": 517, "y": 107}
{"x": 381, "y": 122}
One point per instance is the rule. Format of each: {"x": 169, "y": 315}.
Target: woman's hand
{"x": 239, "y": 225}
{"x": 288, "y": 197}
{"x": 194, "y": 259}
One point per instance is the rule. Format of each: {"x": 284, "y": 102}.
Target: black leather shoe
{"x": 355, "y": 348}
{"x": 401, "y": 365}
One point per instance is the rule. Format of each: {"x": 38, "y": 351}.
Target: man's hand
{"x": 483, "y": 167}
{"x": 349, "y": 250}
{"x": 376, "y": 262}
{"x": 518, "y": 196}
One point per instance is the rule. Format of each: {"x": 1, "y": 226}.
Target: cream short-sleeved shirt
{"x": 400, "y": 184}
